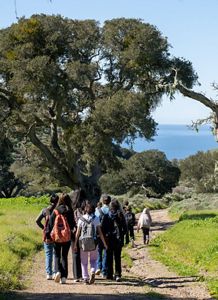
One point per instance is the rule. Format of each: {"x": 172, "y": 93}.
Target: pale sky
{"x": 190, "y": 26}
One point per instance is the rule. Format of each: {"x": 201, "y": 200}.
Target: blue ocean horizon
{"x": 178, "y": 141}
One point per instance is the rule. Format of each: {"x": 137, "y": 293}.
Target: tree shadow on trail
{"x": 161, "y": 226}
{"x": 197, "y": 216}
{"x": 70, "y": 296}
{"x": 170, "y": 282}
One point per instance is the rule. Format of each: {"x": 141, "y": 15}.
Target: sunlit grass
{"x": 19, "y": 239}
{"x": 191, "y": 247}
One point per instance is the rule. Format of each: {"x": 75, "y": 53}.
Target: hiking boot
{"x": 63, "y": 280}
{"x": 49, "y": 277}
{"x": 97, "y": 272}
{"x": 57, "y": 277}
{"x": 92, "y": 278}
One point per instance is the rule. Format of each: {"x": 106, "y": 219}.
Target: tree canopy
{"x": 148, "y": 171}
{"x": 75, "y": 89}
{"x": 9, "y": 184}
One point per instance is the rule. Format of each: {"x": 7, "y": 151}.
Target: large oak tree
{"x": 74, "y": 89}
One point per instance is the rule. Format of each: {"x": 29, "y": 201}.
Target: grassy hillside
{"x": 191, "y": 247}
{"x": 138, "y": 202}
{"x": 19, "y": 238}
{"x": 201, "y": 201}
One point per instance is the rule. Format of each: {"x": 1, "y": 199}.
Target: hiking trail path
{"x": 147, "y": 279}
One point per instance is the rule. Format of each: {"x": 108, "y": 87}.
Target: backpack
{"x": 129, "y": 219}
{"x": 146, "y": 222}
{"x": 87, "y": 239}
{"x": 45, "y": 230}
{"x": 61, "y": 230}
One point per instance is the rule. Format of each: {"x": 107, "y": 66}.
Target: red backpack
{"x": 61, "y": 230}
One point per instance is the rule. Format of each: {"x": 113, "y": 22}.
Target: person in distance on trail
{"x": 102, "y": 253}
{"x": 48, "y": 243}
{"x": 87, "y": 229}
{"x": 144, "y": 223}
{"x": 130, "y": 222}
{"x": 125, "y": 205}
{"x": 61, "y": 226}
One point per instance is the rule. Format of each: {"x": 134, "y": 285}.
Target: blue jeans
{"x": 49, "y": 256}
{"x": 102, "y": 259}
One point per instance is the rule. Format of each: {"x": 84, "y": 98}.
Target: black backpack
{"x": 129, "y": 219}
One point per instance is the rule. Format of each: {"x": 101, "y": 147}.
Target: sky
{"x": 190, "y": 26}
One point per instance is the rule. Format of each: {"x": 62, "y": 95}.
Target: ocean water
{"x": 178, "y": 141}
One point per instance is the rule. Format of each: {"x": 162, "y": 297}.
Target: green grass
{"x": 191, "y": 247}
{"x": 20, "y": 238}
{"x": 126, "y": 258}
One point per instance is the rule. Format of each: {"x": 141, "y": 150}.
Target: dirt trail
{"x": 147, "y": 279}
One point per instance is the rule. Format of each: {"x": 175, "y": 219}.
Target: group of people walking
{"x": 94, "y": 233}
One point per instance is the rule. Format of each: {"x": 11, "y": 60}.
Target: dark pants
{"x": 77, "y": 272}
{"x": 114, "y": 252}
{"x": 130, "y": 234}
{"x": 61, "y": 254}
{"x": 102, "y": 259}
{"x": 145, "y": 232}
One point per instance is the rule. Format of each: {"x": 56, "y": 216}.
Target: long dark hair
{"x": 77, "y": 198}
{"x": 64, "y": 199}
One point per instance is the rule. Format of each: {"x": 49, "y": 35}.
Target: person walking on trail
{"x": 78, "y": 198}
{"x": 125, "y": 205}
{"x": 48, "y": 243}
{"x": 88, "y": 227}
{"x": 102, "y": 253}
{"x": 130, "y": 222}
{"x": 144, "y": 223}
{"x": 61, "y": 226}
{"x": 116, "y": 229}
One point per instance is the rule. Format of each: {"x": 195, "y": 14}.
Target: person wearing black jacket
{"x": 115, "y": 230}
{"x": 62, "y": 249}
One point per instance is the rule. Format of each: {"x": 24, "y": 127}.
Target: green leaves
{"x": 83, "y": 86}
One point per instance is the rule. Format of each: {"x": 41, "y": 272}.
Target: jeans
{"x": 102, "y": 259}
{"x": 84, "y": 262}
{"x": 61, "y": 254}
{"x": 49, "y": 258}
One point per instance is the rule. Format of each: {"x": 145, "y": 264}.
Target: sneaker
{"x": 76, "y": 280}
{"x": 103, "y": 276}
{"x": 85, "y": 281}
{"x": 92, "y": 278}
{"x": 132, "y": 243}
{"x": 57, "y": 277}
{"x": 63, "y": 280}
{"x": 97, "y": 272}
{"x": 118, "y": 279}
{"x": 49, "y": 277}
